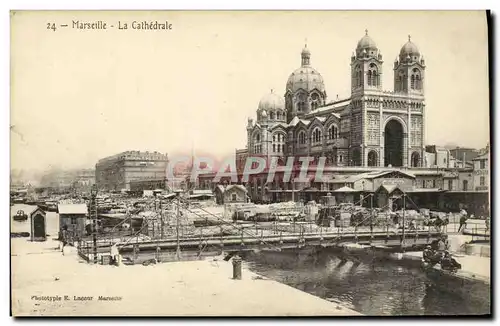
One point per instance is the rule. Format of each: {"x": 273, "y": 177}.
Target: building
{"x": 230, "y": 194}
{"x": 116, "y": 172}
{"x": 464, "y": 154}
{"x": 73, "y": 217}
{"x": 138, "y": 186}
{"x": 68, "y": 180}
{"x": 372, "y": 127}
{"x": 481, "y": 174}
{"x": 438, "y": 157}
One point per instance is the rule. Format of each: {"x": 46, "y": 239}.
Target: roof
{"x": 345, "y": 189}
{"x": 426, "y": 190}
{"x": 331, "y": 106}
{"x": 482, "y": 157}
{"x": 229, "y": 187}
{"x": 202, "y": 192}
{"x": 72, "y": 209}
{"x": 367, "y": 175}
{"x": 200, "y": 196}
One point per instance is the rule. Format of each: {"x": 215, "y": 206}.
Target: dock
{"x": 193, "y": 288}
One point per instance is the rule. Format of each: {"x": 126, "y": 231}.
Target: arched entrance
{"x": 415, "y": 159}
{"x": 372, "y": 158}
{"x": 356, "y": 157}
{"x": 393, "y": 142}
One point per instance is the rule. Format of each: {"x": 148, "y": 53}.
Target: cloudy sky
{"x": 77, "y": 96}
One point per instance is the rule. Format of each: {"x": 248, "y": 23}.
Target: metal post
{"x": 162, "y": 223}
{"x": 404, "y": 210}
{"x": 371, "y": 214}
{"x": 93, "y": 212}
{"x": 178, "y": 252}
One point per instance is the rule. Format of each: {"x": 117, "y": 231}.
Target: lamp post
{"x": 93, "y": 216}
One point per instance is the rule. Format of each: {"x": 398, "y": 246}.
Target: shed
{"x": 72, "y": 217}
{"x": 345, "y": 194}
{"x": 231, "y": 194}
{"x": 38, "y": 225}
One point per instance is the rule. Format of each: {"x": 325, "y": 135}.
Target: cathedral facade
{"x": 373, "y": 127}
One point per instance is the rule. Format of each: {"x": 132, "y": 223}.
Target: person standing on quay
{"x": 463, "y": 222}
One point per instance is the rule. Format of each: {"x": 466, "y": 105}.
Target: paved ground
{"x": 197, "y": 288}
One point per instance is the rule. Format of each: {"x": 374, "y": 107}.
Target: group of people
{"x": 440, "y": 255}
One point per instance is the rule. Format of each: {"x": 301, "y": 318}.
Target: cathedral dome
{"x": 271, "y": 101}
{"x": 409, "y": 50}
{"x": 306, "y": 78}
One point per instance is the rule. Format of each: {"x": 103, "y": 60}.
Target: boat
{"x": 20, "y": 216}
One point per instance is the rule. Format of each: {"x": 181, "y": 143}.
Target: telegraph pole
{"x": 177, "y": 229}
{"x": 93, "y": 216}
{"x": 404, "y": 213}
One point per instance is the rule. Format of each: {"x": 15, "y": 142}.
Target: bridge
{"x": 277, "y": 241}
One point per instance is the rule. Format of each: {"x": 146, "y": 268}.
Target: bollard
{"x": 236, "y": 268}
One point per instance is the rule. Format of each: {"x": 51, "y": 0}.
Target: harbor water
{"x": 372, "y": 288}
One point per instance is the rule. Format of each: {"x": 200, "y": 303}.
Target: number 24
{"x": 51, "y": 26}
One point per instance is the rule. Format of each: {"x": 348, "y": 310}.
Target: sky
{"x": 81, "y": 95}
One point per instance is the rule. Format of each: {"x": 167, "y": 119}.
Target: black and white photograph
{"x": 224, "y": 163}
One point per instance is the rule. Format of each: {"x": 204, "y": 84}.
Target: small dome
{"x": 306, "y": 78}
{"x": 365, "y": 43}
{"x": 271, "y": 101}
{"x": 409, "y": 50}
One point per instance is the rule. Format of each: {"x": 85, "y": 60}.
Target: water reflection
{"x": 372, "y": 288}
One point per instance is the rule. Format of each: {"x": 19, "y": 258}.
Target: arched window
{"x": 278, "y": 143}
{"x": 357, "y": 77}
{"x": 400, "y": 81}
{"x": 257, "y": 137}
{"x": 333, "y": 132}
{"x": 372, "y": 158}
{"x": 415, "y": 79}
{"x": 415, "y": 159}
{"x": 278, "y": 115}
{"x": 316, "y": 136}
{"x": 373, "y": 75}
{"x": 302, "y": 137}
{"x": 418, "y": 82}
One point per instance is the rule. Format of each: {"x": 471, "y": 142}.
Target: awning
{"x": 345, "y": 189}
{"x": 200, "y": 196}
{"x": 424, "y": 190}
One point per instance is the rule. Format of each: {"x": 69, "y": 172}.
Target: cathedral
{"x": 373, "y": 127}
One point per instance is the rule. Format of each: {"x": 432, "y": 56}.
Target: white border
{"x": 7, "y": 5}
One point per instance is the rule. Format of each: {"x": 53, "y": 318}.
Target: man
{"x": 463, "y": 222}
{"x": 427, "y": 254}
